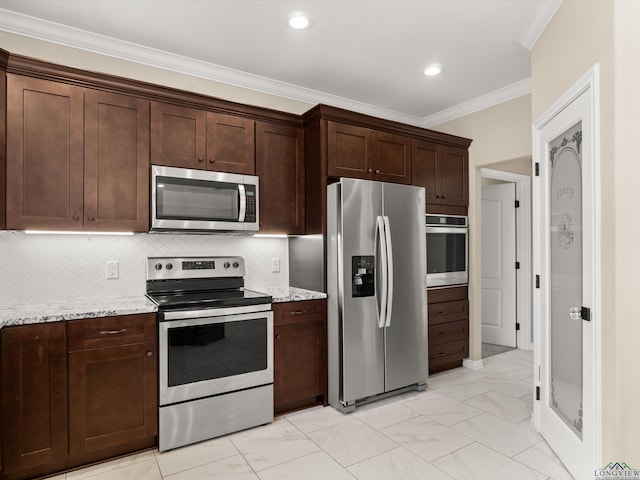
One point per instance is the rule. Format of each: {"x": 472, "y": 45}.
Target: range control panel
{"x": 168, "y": 268}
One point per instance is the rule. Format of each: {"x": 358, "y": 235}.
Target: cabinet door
{"x": 454, "y": 176}
{"x": 34, "y": 398}
{"x": 112, "y": 397}
{"x": 300, "y": 354}
{"x": 425, "y": 159}
{"x": 299, "y": 364}
{"x": 280, "y": 166}
{"x": 392, "y": 158}
{"x": 230, "y": 144}
{"x": 116, "y": 162}
{"x": 349, "y": 151}
{"x": 3, "y": 150}
{"x": 44, "y": 154}
{"x": 178, "y": 136}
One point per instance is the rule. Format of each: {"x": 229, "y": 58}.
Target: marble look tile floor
{"x": 468, "y": 424}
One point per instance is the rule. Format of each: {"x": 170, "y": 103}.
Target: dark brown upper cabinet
{"x": 44, "y": 154}
{"x": 280, "y": 167}
{"x": 340, "y": 143}
{"x": 77, "y": 159}
{"x": 194, "y": 138}
{"x": 444, "y": 173}
{"x": 359, "y": 152}
{"x": 116, "y": 162}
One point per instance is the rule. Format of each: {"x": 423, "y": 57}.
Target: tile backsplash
{"x": 49, "y": 268}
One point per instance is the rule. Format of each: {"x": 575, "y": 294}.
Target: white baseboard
{"x": 472, "y": 364}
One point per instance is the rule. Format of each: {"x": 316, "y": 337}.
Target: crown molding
{"x": 496, "y": 97}
{"x": 541, "y": 15}
{"x": 31, "y": 27}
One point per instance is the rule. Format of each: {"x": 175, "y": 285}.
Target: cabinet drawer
{"x": 447, "y": 353}
{"x": 111, "y": 331}
{"x": 448, "y": 332}
{"x": 447, "y": 294}
{"x": 448, "y": 312}
{"x": 296, "y": 312}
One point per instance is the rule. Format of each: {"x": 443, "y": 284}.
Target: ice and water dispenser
{"x": 363, "y": 276}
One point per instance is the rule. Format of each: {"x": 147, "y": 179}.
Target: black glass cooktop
{"x": 209, "y": 299}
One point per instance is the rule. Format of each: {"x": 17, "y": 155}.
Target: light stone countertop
{"x": 293, "y": 294}
{"x": 22, "y": 314}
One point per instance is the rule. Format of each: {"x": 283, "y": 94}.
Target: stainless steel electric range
{"x": 216, "y": 349}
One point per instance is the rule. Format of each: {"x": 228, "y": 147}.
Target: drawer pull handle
{"x": 441, "y": 333}
{"x": 442, "y": 353}
{"x": 298, "y": 312}
{"x": 440, "y": 312}
{"x": 113, "y": 332}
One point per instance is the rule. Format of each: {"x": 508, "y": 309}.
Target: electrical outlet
{"x": 112, "y": 270}
{"x": 275, "y": 265}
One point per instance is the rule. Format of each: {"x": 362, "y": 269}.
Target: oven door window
{"x": 211, "y": 351}
{"x": 189, "y": 199}
{"x": 446, "y": 252}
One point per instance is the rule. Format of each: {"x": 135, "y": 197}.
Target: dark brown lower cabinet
{"x": 77, "y": 392}
{"x": 34, "y": 400}
{"x": 448, "y": 327}
{"x": 112, "y": 400}
{"x": 300, "y": 354}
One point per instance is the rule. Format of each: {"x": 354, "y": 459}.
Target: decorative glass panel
{"x": 566, "y": 276}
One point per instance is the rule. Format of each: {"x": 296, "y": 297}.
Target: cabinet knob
{"x": 90, "y": 218}
{"x": 201, "y": 159}
{"x": 212, "y": 160}
{"x": 437, "y": 196}
{"x": 377, "y": 171}
{"x": 370, "y": 170}
{"x": 76, "y": 218}
{"x": 444, "y": 196}
{"x": 277, "y": 336}
{"x": 149, "y": 354}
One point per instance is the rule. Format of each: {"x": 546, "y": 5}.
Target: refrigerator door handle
{"x": 389, "y": 302}
{"x": 384, "y": 271}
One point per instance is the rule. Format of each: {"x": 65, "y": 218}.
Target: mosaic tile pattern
{"x": 59, "y": 268}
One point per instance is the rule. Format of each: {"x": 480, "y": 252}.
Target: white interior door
{"x": 565, "y": 222}
{"x": 499, "y": 314}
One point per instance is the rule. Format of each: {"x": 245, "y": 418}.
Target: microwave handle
{"x": 243, "y": 203}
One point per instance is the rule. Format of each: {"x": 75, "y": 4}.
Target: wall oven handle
{"x": 387, "y": 233}
{"x": 243, "y": 203}
{"x": 384, "y": 273}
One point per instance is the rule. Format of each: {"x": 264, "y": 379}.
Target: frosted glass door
{"x": 566, "y": 279}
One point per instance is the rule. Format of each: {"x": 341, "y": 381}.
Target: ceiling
{"x": 366, "y": 55}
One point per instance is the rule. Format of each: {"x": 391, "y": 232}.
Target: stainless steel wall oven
{"x": 447, "y": 250}
{"x": 215, "y": 349}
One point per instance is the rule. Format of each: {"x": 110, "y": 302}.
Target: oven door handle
{"x": 243, "y": 203}
{"x": 212, "y": 312}
{"x": 456, "y": 230}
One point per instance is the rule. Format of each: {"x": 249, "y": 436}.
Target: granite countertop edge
{"x": 28, "y": 313}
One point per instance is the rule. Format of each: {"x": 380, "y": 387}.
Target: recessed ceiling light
{"x": 432, "y": 70}
{"x": 299, "y": 21}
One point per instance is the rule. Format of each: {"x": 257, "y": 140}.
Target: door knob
{"x": 575, "y": 313}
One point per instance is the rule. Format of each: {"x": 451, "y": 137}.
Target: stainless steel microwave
{"x": 447, "y": 250}
{"x": 202, "y": 201}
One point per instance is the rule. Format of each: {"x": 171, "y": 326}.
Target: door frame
{"x": 523, "y": 251}
{"x": 588, "y": 84}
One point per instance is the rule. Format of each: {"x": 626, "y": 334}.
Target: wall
{"x": 627, "y": 236}
{"x": 50, "y": 268}
{"x": 501, "y": 135}
{"x": 580, "y": 35}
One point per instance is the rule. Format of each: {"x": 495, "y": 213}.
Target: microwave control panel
{"x": 250, "y": 213}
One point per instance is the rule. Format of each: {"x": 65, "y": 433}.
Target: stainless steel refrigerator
{"x": 377, "y": 293}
